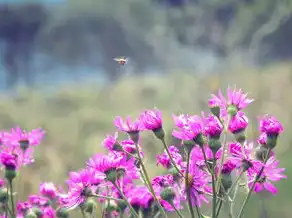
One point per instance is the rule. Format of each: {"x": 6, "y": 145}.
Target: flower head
{"x": 238, "y": 123}
{"x": 129, "y": 126}
{"x": 49, "y": 190}
{"x": 152, "y": 119}
{"x": 270, "y": 125}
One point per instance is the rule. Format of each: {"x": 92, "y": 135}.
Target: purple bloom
{"x": 270, "y": 174}
{"x": 111, "y": 141}
{"x": 140, "y": 197}
{"x": 37, "y": 200}
{"x": 270, "y": 125}
{"x": 152, "y": 119}
{"x": 19, "y": 137}
{"x": 238, "y": 98}
{"x": 49, "y": 190}
{"x": 9, "y": 160}
{"x": 212, "y": 126}
{"x": 129, "y": 126}
{"x": 238, "y": 123}
{"x": 164, "y": 159}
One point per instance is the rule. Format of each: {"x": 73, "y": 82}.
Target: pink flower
{"x": 238, "y": 123}
{"x": 189, "y": 128}
{"x": 9, "y": 160}
{"x": 49, "y": 190}
{"x": 19, "y": 137}
{"x": 197, "y": 156}
{"x": 23, "y": 207}
{"x": 152, "y": 119}
{"x": 212, "y": 126}
{"x": 270, "y": 125}
{"x": 129, "y": 126}
{"x": 81, "y": 186}
{"x": 164, "y": 159}
{"x": 36, "y": 200}
{"x": 140, "y": 197}
{"x": 198, "y": 182}
{"x": 238, "y": 98}
{"x": 262, "y": 139}
{"x": 111, "y": 141}
{"x": 243, "y": 158}
{"x": 270, "y": 174}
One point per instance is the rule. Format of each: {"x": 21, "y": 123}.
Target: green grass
{"x": 77, "y": 118}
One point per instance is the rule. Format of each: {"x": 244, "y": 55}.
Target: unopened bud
{"x": 10, "y": 174}
{"x": 62, "y": 213}
{"x": 89, "y": 206}
{"x": 111, "y": 175}
{"x": 240, "y": 136}
{"x": 215, "y": 111}
{"x": 215, "y": 145}
{"x": 226, "y": 181}
{"x": 272, "y": 140}
{"x": 232, "y": 110}
{"x": 159, "y": 133}
{"x": 167, "y": 194}
{"x": 3, "y": 196}
{"x": 200, "y": 140}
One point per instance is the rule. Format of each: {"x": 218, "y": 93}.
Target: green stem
{"x": 105, "y": 197}
{"x": 219, "y": 208}
{"x": 132, "y": 210}
{"x": 231, "y": 209}
{"x": 253, "y": 185}
{"x": 188, "y": 188}
{"x": 235, "y": 182}
{"x": 223, "y": 155}
{"x": 214, "y": 189}
{"x": 149, "y": 182}
{"x": 11, "y": 198}
{"x": 170, "y": 157}
{"x": 176, "y": 210}
{"x": 82, "y": 212}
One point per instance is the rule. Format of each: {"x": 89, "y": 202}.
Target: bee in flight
{"x": 121, "y": 60}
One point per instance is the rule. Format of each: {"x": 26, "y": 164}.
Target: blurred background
{"x": 57, "y": 72}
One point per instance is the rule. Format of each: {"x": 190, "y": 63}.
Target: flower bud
{"x": 37, "y": 211}
{"x": 159, "y": 133}
{"x": 215, "y": 110}
{"x": 272, "y": 140}
{"x": 200, "y": 140}
{"x": 3, "y": 195}
{"x": 62, "y": 213}
{"x": 167, "y": 194}
{"x": 246, "y": 165}
{"x": 215, "y": 145}
{"x": 134, "y": 136}
{"x": 240, "y": 136}
{"x": 30, "y": 214}
{"x": 232, "y": 110}
{"x": 174, "y": 172}
{"x": 111, "y": 175}
{"x": 24, "y": 144}
{"x": 226, "y": 181}
{"x": 10, "y": 174}
{"x": 89, "y": 206}
{"x": 261, "y": 153}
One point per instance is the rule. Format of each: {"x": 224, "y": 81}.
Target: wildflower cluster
{"x": 204, "y": 169}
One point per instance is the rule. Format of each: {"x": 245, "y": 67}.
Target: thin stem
{"x": 7, "y": 204}
{"x": 253, "y": 185}
{"x": 176, "y": 210}
{"x": 82, "y": 212}
{"x": 214, "y": 189}
{"x": 235, "y": 182}
{"x": 223, "y": 155}
{"x": 219, "y": 208}
{"x": 188, "y": 188}
{"x": 231, "y": 209}
{"x": 11, "y": 198}
{"x": 149, "y": 182}
{"x": 170, "y": 157}
{"x": 106, "y": 197}
{"x": 132, "y": 210}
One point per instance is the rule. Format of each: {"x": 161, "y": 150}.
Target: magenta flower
{"x": 110, "y": 142}
{"x": 238, "y": 123}
{"x": 189, "y": 127}
{"x": 8, "y": 160}
{"x": 139, "y": 197}
{"x": 238, "y": 98}
{"x": 262, "y": 139}
{"x": 228, "y": 167}
{"x": 129, "y": 126}
{"x": 197, "y": 156}
{"x": 199, "y": 183}
{"x": 19, "y": 137}
{"x": 2, "y": 183}
{"x": 243, "y": 158}
{"x": 164, "y": 160}
{"x": 49, "y": 190}
{"x": 212, "y": 126}
{"x": 81, "y": 185}
{"x": 270, "y": 174}
{"x": 270, "y": 125}
{"x": 36, "y": 200}
{"x": 22, "y": 208}
{"x": 152, "y": 119}
{"x": 130, "y": 147}
{"x": 114, "y": 162}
